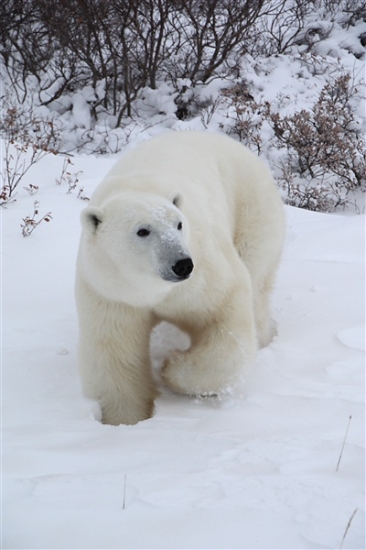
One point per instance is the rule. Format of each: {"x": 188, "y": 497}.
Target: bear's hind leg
{"x": 265, "y": 326}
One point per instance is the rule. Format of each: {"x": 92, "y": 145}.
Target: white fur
{"x": 232, "y": 228}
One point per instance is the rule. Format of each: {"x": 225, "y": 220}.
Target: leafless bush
{"x": 353, "y": 10}
{"x": 322, "y": 150}
{"x": 325, "y": 147}
{"x": 68, "y": 177}
{"x": 31, "y": 223}
{"x": 27, "y": 139}
{"x": 207, "y": 110}
{"x": 81, "y": 195}
{"x": 210, "y": 31}
{"x": 32, "y": 189}
{"x": 246, "y": 116}
{"x": 120, "y": 46}
{"x": 283, "y": 26}
{"x": 286, "y": 24}
{"x": 318, "y": 196}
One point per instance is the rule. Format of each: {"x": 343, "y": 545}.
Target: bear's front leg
{"x": 114, "y": 360}
{"x": 221, "y": 353}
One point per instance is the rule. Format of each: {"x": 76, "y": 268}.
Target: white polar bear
{"x": 188, "y": 227}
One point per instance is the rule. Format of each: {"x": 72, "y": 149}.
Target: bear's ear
{"x": 91, "y": 217}
{"x": 177, "y": 200}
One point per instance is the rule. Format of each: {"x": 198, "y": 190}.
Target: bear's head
{"x": 135, "y": 247}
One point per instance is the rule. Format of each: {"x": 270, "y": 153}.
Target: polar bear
{"x": 188, "y": 228}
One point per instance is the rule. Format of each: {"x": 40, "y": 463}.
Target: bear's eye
{"x": 179, "y": 226}
{"x": 143, "y": 232}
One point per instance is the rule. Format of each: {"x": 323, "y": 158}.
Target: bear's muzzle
{"x": 183, "y": 268}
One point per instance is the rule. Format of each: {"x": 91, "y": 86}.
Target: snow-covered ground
{"x": 252, "y": 471}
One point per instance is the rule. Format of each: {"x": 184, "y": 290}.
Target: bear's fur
{"x": 178, "y": 201}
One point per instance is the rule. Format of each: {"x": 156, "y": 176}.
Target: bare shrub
{"x": 119, "y": 47}
{"x": 31, "y": 223}
{"x": 325, "y": 147}
{"x": 27, "y": 139}
{"x": 322, "y": 150}
{"x": 286, "y": 24}
{"x": 246, "y": 116}
{"x": 283, "y": 27}
{"x": 210, "y": 31}
{"x": 32, "y": 189}
{"x": 310, "y": 195}
{"x": 81, "y": 195}
{"x": 70, "y": 178}
{"x": 353, "y": 10}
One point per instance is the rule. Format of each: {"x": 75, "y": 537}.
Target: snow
{"x": 256, "y": 470}
{"x": 353, "y": 337}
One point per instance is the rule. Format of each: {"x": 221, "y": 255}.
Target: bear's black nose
{"x": 183, "y": 268}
